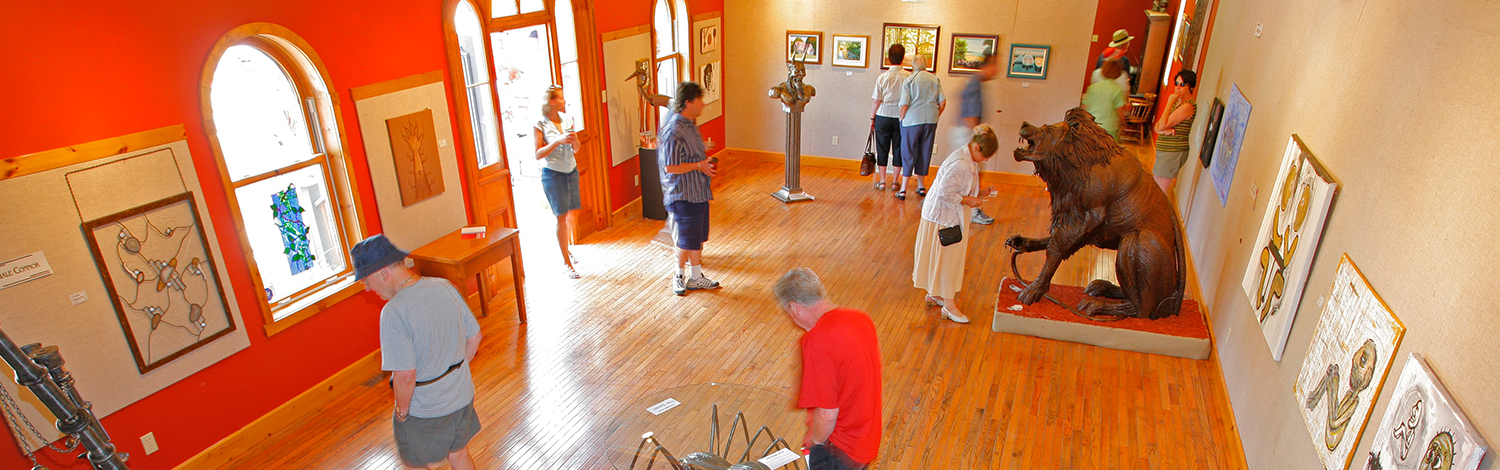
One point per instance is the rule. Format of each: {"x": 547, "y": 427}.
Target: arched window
{"x": 273, "y": 126}
{"x": 669, "y": 30}
{"x": 476, "y": 75}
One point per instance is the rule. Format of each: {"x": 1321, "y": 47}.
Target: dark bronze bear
{"x": 1103, "y": 197}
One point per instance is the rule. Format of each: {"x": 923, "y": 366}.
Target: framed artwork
{"x": 155, "y": 263}
{"x": 419, "y": 171}
{"x": 1351, "y": 352}
{"x": 804, "y": 46}
{"x": 918, "y": 39}
{"x": 851, "y": 51}
{"x": 1423, "y": 426}
{"x": 1283, "y": 253}
{"x": 711, "y": 76}
{"x": 708, "y": 39}
{"x": 969, "y": 51}
{"x": 1227, "y": 148}
{"x": 1028, "y": 61}
{"x": 1211, "y": 133}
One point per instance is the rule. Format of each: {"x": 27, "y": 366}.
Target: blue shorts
{"x": 691, "y": 220}
{"x": 561, "y": 189}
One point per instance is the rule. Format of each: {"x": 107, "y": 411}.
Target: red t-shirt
{"x": 841, "y": 369}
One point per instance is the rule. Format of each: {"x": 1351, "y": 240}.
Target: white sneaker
{"x": 679, "y": 285}
{"x": 702, "y": 282}
{"x": 980, "y": 218}
{"x": 955, "y": 316}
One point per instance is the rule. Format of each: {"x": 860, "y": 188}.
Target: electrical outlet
{"x": 149, "y": 442}
{"x": 442, "y": 143}
{"x": 1095, "y": 38}
{"x": 1254, "y": 192}
{"x": 1258, "y": 27}
{"x": 637, "y": 180}
{"x": 835, "y": 140}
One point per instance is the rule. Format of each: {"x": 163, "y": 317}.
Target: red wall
{"x": 1121, "y": 14}
{"x": 621, "y": 14}
{"x": 79, "y": 73}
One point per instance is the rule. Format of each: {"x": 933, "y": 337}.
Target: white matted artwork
{"x": 1423, "y": 426}
{"x": 710, "y": 75}
{"x": 1346, "y": 365}
{"x": 620, "y": 96}
{"x": 1283, "y": 253}
{"x": 708, "y": 36}
{"x": 411, "y": 226}
{"x": 88, "y": 333}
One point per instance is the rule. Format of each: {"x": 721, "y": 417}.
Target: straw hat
{"x": 1122, "y": 37}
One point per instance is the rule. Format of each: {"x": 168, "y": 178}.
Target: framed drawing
{"x": 1211, "y": 133}
{"x": 708, "y": 39}
{"x": 1423, "y": 426}
{"x": 804, "y": 46}
{"x": 1028, "y": 61}
{"x": 1227, "y": 149}
{"x": 711, "y": 75}
{"x": 1346, "y": 365}
{"x": 419, "y": 171}
{"x": 851, "y": 50}
{"x": 1282, "y": 255}
{"x": 969, "y": 51}
{"x": 155, "y": 263}
{"x": 917, "y": 38}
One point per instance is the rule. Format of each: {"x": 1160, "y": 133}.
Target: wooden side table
{"x": 457, "y": 259}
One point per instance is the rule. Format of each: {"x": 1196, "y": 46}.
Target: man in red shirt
{"x": 840, "y": 375}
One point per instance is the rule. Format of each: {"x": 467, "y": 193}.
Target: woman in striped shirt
{"x": 1174, "y": 127}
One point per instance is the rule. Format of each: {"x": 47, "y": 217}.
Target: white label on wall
{"x": 26, "y": 268}
{"x": 662, "y": 407}
{"x": 780, "y": 458}
{"x": 79, "y": 297}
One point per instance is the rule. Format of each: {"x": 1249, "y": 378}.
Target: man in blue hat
{"x": 428, "y": 337}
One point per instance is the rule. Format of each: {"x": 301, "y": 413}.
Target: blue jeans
{"x": 828, "y": 457}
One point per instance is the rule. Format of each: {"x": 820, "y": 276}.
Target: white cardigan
{"x": 958, "y": 177}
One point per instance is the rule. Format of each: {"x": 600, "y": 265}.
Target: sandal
{"x": 922, "y": 192}
{"x": 901, "y": 195}
{"x": 880, "y": 186}
{"x": 572, "y": 274}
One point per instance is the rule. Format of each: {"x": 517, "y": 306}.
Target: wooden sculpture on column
{"x": 794, "y": 96}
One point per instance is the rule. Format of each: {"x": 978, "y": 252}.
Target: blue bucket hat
{"x": 372, "y": 254}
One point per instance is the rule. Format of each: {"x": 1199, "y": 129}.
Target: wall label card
{"x": 24, "y": 269}
{"x": 662, "y": 407}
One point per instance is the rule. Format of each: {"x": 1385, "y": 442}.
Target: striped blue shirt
{"x": 681, "y": 143}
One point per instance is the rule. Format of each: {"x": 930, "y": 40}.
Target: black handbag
{"x": 950, "y": 235}
{"x": 867, "y": 163}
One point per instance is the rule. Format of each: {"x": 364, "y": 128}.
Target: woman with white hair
{"x": 939, "y": 268}
{"x": 921, "y": 103}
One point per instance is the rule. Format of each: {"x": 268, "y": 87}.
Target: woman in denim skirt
{"x": 555, "y": 144}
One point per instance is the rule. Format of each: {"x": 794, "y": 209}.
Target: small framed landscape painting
{"x": 804, "y": 46}
{"x": 850, "y": 50}
{"x": 1028, "y": 61}
{"x": 969, "y": 51}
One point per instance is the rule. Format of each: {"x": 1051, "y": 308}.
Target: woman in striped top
{"x": 1174, "y": 127}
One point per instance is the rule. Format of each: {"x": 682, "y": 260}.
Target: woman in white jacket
{"x": 936, "y": 268}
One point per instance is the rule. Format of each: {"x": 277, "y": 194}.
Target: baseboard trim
{"x": 227, "y": 450}
{"x": 996, "y": 177}
{"x": 630, "y": 210}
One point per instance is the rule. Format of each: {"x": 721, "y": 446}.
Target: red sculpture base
{"x": 1184, "y": 335}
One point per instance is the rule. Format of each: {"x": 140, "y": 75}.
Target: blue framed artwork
{"x": 1231, "y": 136}
{"x": 1028, "y": 61}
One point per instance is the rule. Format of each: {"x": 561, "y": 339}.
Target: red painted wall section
{"x": 621, "y": 14}
{"x": 1114, "y": 15}
{"x": 115, "y": 68}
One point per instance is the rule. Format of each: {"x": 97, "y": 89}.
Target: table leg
{"x": 519, "y": 275}
{"x": 484, "y": 295}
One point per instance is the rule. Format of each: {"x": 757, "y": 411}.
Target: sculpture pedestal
{"x": 1184, "y": 335}
{"x": 785, "y": 195}
{"x": 791, "y": 188}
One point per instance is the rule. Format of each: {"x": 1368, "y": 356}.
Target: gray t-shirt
{"x": 424, "y": 327}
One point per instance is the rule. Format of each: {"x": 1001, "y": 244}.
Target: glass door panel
{"x": 523, "y": 70}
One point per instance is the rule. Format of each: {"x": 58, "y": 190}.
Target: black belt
{"x": 435, "y": 379}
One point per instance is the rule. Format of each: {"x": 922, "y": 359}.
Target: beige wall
{"x": 754, "y": 57}
{"x": 1398, "y": 99}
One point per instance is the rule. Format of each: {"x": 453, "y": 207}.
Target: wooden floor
{"x": 551, "y": 392}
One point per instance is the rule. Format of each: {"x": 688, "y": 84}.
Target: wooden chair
{"x": 1137, "y": 125}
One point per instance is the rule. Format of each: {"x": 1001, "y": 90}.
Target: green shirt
{"x": 1102, "y": 100}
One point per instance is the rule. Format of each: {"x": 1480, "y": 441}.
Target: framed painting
{"x": 919, "y": 39}
{"x": 804, "y": 46}
{"x": 1423, "y": 426}
{"x": 850, "y": 51}
{"x": 1227, "y": 149}
{"x": 1350, "y": 355}
{"x": 711, "y": 75}
{"x": 419, "y": 170}
{"x": 708, "y": 39}
{"x": 1211, "y": 133}
{"x": 969, "y": 51}
{"x": 157, "y": 269}
{"x": 1028, "y": 61}
{"x": 1283, "y": 253}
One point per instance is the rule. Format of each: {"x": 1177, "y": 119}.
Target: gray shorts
{"x": 1168, "y": 162}
{"x": 425, "y": 441}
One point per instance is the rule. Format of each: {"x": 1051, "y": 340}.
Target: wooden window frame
{"x": 299, "y": 61}
{"x": 684, "y": 58}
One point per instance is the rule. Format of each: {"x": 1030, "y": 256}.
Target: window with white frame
{"x": 669, "y": 27}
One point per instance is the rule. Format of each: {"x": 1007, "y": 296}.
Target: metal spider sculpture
{"x": 715, "y": 458}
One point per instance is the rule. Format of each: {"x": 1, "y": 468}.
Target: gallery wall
{"x": 755, "y": 35}
{"x": 109, "y": 69}
{"x": 1397, "y": 101}
{"x": 617, "y": 15}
